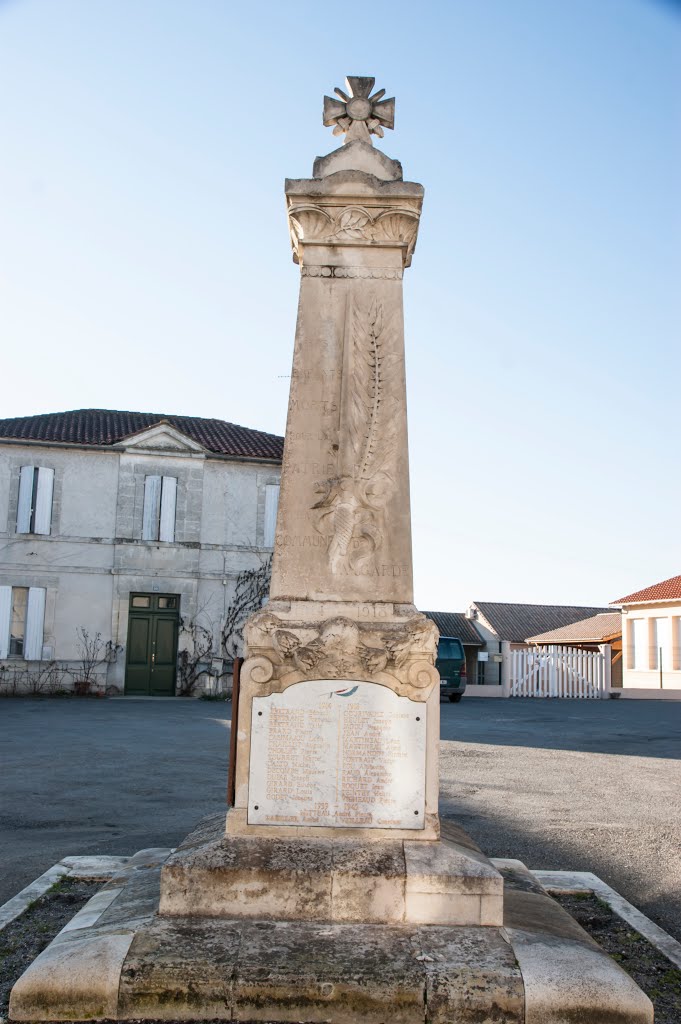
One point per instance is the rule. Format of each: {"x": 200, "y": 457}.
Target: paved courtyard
{"x": 559, "y": 784}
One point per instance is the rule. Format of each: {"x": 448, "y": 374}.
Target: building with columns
{"x": 127, "y": 525}
{"x": 651, "y": 637}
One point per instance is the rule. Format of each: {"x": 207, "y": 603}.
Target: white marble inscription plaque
{"x": 338, "y": 753}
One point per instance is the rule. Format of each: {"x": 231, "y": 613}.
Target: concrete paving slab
{"x": 567, "y": 977}
{"x": 10, "y": 910}
{"x": 585, "y": 881}
{"x": 93, "y": 867}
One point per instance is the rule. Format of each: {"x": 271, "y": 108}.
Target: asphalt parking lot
{"x": 581, "y": 785}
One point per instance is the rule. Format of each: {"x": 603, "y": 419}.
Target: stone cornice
{"x": 367, "y": 224}
{"x": 353, "y": 209}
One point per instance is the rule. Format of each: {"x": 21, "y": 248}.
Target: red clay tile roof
{"x": 108, "y": 426}
{"x": 668, "y": 590}
{"x": 592, "y": 630}
{"x": 456, "y": 624}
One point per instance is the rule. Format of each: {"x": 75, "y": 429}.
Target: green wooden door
{"x": 151, "y": 662}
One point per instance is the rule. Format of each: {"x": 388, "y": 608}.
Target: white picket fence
{"x": 559, "y": 672}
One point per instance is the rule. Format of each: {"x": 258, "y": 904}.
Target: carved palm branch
{"x": 375, "y": 381}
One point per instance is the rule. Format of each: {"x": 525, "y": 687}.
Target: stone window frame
{"x": 39, "y": 461}
{"x": 188, "y": 499}
{"x": 264, "y": 480}
{"x": 51, "y": 588}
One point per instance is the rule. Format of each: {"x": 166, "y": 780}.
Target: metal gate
{"x": 559, "y": 672}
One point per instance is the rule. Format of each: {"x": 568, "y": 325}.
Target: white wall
{"x": 492, "y": 669}
{"x": 89, "y": 486}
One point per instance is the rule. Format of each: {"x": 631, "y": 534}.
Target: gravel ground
{"x": 573, "y": 786}
{"x": 23, "y": 939}
{"x": 657, "y": 976}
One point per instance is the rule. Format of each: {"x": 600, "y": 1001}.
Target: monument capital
{"x": 328, "y": 220}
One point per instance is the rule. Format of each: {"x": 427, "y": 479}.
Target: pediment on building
{"x": 161, "y": 437}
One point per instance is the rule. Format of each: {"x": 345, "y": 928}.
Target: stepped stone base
{"x": 120, "y": 960}
{"x": 448, "y": 881}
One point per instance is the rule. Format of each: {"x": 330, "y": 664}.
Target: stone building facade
{"x": 132, "y": 526}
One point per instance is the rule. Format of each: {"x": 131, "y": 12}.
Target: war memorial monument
{"x": 331, "y": 893}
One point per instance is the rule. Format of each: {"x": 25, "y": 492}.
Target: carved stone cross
{"x": 357, "y": 114}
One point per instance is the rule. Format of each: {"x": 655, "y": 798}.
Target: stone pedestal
{"x": 123, "y": 961}
{"x": 342, "y": 880}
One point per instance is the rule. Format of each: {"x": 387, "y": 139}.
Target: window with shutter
{"x": 17, "y": 625}
{"x": 42, "y": 508}
{"x": 35, "y": 620}
{"x": 152, "y": 507}
{"x": 166, "y": 530}
{"x": 34, "y": 508}
{"x": 271, "y": 506}
{"x": 5, "y": 618}
{"x": 25, "y": 504}
{"x": 22, "y": 620}
{"x": 158, "y": 518}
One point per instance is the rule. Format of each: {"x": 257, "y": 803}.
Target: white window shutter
{"x": 168, "y": 500}
{"x": 35, "y": 620}
{"x": 152, "y": 502}
{"x": 5, "y": 617}
{"x": 25, "y": 498}
{"x": 43, "y": 501}
{"x": 271, "y": 506}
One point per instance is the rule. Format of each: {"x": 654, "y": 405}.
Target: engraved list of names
{"x": 337, "y": 753}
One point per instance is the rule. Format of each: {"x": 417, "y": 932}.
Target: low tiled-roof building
{"x": 651, "y": 638}
{"x": 595, "y": 630}
{"x": 129, "y": 525}
{"x": 455, "y": 624}
{"x": 589, "y": 635}
{"x": 499, "y": 622}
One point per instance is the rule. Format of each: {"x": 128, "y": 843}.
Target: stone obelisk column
{"x": 341, "y": 600}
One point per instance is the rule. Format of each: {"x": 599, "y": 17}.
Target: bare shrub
{"x": 42, "y": 678}
{"x": 251, "y": 589}
{"x": 192, "y": 659}
{"x": 92, "y": 653}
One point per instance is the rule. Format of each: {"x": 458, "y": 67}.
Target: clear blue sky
{"x": 145, "y": 262}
